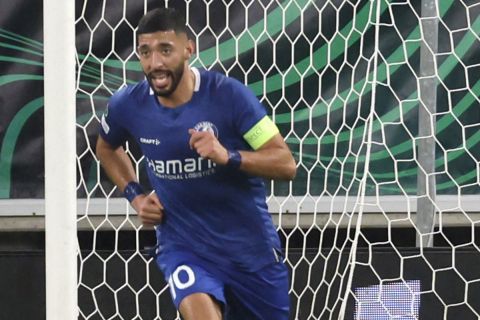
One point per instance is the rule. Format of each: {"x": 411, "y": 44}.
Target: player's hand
{"x": 149, "y": 209}
{"x": 208, "y": 146}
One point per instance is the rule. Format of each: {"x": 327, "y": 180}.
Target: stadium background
{"x": 21, "y": 121}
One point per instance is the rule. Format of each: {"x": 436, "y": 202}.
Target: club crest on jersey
{"x": 206, "y": 126}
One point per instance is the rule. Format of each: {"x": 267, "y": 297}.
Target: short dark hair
{"x": 162, "y": 19}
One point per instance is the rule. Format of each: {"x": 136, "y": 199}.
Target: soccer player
{"x": 207, "y": 143}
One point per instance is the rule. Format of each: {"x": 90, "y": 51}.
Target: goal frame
{"x": 60, "y": 160}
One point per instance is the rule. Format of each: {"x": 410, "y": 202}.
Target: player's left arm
{"x": 272, "y": 159}
{"x": 268, "y": 155}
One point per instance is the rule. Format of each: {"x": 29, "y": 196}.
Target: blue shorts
{"x": 260, "y": 295}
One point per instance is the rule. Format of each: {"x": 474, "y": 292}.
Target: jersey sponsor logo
{"x": 175, "y": 169}
{"x": 150, "y": 141}
{"x": 206, "y": 126}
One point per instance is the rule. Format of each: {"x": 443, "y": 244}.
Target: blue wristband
{"x": 132, "y": 190}
{"x": 234, "y": 159}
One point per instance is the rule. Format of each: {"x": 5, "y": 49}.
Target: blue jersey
{"x": 217, "y": 212}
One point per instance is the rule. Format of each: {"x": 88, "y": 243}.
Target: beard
{"x": 174, "y": 75}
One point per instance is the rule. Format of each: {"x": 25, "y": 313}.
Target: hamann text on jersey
{"x": 217, "y": 212}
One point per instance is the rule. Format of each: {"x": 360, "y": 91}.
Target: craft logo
{"x": 150, "y": 141}
{"x": 206, "y": 126}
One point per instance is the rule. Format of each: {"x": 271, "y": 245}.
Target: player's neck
{"x": 183, "y": 93}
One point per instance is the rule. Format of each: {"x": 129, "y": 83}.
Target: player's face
{"x": 164, "y": 56}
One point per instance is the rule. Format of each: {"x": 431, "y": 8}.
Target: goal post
{"x": 425, "y": 220}
{"x": 60, "y": 160}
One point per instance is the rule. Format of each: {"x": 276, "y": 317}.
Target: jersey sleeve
{"x": 250, "y": 117}
{"x": 111, "y": 129}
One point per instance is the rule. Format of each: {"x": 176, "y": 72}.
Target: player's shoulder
{"x": 219, "y": 82}
{"x": 129, "y": 95}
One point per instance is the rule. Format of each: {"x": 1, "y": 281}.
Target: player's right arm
{"x": 117, "y": 164}
{"x": 119, "y": 168}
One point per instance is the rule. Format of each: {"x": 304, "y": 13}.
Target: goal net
{"x": 378, "y": 101}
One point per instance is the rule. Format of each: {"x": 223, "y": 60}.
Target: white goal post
{"x": 60, "y": 160}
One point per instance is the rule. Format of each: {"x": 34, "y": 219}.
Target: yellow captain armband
{"x": 260, "y": 133}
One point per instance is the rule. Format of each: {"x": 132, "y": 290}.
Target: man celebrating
{"x": 207, "y": 143}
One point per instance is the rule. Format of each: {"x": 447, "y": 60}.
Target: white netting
{"x": 381, "y": 111}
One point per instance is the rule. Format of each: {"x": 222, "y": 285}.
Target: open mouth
{"x": 160, "y": 79}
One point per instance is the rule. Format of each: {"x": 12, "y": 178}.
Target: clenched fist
{"x": 208, "y": 146}
{"x": 149, "y": 209}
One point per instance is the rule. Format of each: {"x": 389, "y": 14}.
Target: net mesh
{"x": 381, "y": 112}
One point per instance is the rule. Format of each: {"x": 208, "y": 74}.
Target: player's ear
{"x": 189, "y": 48}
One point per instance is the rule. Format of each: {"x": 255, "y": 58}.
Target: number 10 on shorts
{"x": 175, "y": 282}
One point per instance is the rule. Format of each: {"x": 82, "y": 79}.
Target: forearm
{"x": 275, "y": 163}
{"x": 116, "y": 164}
{"x": 273, "y": 160}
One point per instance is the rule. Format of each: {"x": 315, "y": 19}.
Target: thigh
{"x": 262, "y": 295}
{"x": 187, "y": 278}
{"x": 200, "y": 306}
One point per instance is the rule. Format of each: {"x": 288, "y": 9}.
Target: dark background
{"x": 22, "y": 270}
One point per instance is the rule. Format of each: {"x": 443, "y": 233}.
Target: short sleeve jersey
{"x": 218, "y": 212}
